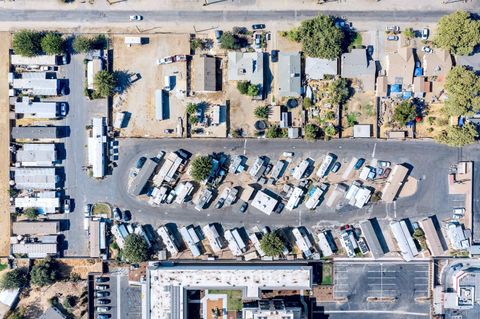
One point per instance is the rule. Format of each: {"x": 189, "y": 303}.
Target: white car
{"x": 425, "y": 34}
{"x": 288, "y": 154}
{"x": 426, "y": 49}
{"x": 166, "y": 60}
{"x": 136, "y": 18}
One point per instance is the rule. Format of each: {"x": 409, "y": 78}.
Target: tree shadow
{"x": 125, "y": 79}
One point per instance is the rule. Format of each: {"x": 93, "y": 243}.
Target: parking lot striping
{"x": 245, "y": 147}
{"x": 386, "y": 312}
{"x": 374, "y": 148}
{"x": 384, "y": 284}
{"x": 382, "y": 277}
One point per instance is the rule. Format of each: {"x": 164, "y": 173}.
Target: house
{"x": 394, "y": 183}
{"x": 400, "y": 67}
{"x": 289, "y": 77}
{"x": 356, "y": 65}
{"x": 35, "y": 178}
{"x": 168, "y": 240}
{"x": 190, "y": 238}
{"x": 419, "y": 86}
{"x": 247, "y": 67}
{"x": 36, "y": 83}
{"x": 97, "y": 147}
{"x": 143, "y": 176}
{"x": 169, "y": 169}
{"x": 371, "y": 234}
{"x": 36, "y": 110}
{"x": 40, "y": 60}
{"x": 44, "y": 202}
{"x": 37, "y": 155}
{"x": 44, "y": 246}
{"x": 404, "y": 239}
{"x": 97, "y": 237}
{"x": 437, "y": 64}
{"x": 35, "y": 132}
{"x": 316, "y": 68}
{"x": 93, "y": 67}
{"x": 435, "y": 241}
{"x": 23, "y": 228}
{"x": 204, "y": 73}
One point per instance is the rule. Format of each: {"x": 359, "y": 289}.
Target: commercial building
{"x": 40, "y": 60}
{"x": 303, "y": 242}
{"x": 326, "y": 243}
{"x": 290, "y": 75}
{"x": 35, "y": 178}
{"x": 214, "y": 238}
{"x": 168, "y": 240}
{"x": 190, "y": 238}
{"x": 247, "y": 66}
{"x": 371, "y": 235}
{"x": 204, "y": 73}
{"x": 394, "y": 183}
{"x": 37, "y": 155}
{"x": 167, "y": 287}
{"x": 456, "y": 235}
{"x": 356, "y": 65}
{"x": 36, "y": 83}
{"x": 97, "y": 142}
{"x": 235, "y": 242}
{"x": 404, "y": 239}
{"x": 295, "y": 198}
{"x": 264, "y": 202}
{"x": 143, "y": 176}
{"x": 316, "y": 68}
{"x": 435, "y": 243}
{"x": 44, "y": 202}
{"x": 35, "y": 132}
{"x": 168, "y": 170}
{"x": 35, "y": 228}
{"x": 36, "y": 110}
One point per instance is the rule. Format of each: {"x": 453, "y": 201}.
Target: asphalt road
{"x": 215, "y": 16}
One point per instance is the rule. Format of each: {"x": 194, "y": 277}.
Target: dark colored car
{"x": 102, "y": 279}
{"x": 116, "y": 214}
{"x": 359, "y": 163}
{"x": 218, "y": 35}
{"x": 258, "y": 26}
{"x": 140, "y": 162}
{"x": 127, "y": 216}
{"x": 65, "y": 59}
{"x": 103, "y": 316}
{"x": 243, "y": 208}
{"x": 220, "y": 203}
{"x": 336, "y": 167}
{"x": 279, "y": 208}
{"x": 274, "y": 56}
{"x": 103, "y": 301}
{"x": 386, "y": 172}
{"x": 102, "y": 293}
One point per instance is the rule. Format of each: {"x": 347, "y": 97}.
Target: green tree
{"x": 191, "y": 108}
{"x": 229, "y": 41}
{"x": 307, "y": 103}
{"x": 276, "y": 132}
{"x": 458, "y": 136}
{"x": 15, "y": 278}
{"x": 200, "y": 168}
{"x": 31, "y": 213}
{"x": 262, "y": 112}
{"x": 253, "y": 90}
{"x": 463, "y": 88}
{"x": 44, "y": 272}
{"x": 338, "y": 91}
{"x": 458, "y": 33}
{"x": 82, "y": 44}
{"x": 351, "y": 119}
{"x": 330, "y": 131}
{"x": 196, "y": 44}
{"x": 27, "y": 43}
{"x": 404, "y": 113}
{"x": 104, "y": 83}
{"x": 242, "y": 86}
{"x": 193, "y": 119}
{"x": 312, "y": 131}
{"x": 271, "y": 244}
{"x": 408, "y": 33}
{"x": 52, "y": 43}
{"x": 319, "y": 37}
{"x": 136, "y": 249}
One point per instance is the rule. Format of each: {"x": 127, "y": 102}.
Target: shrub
{"x": 44, "y": 272}
{"x": 262, "y": 112}
{"x": 105, "y": 83}
{"x": 16, "y": 278}
{"x": 200, "y": 168}
{"x": 311, "y": 131}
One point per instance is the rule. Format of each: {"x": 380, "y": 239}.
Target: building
{"x": 303, "y": 242}
{"x": 247, "y": 66}
{"x": 326, "y": 164}
{"x": 382, "y": 86}
{"x": 53, "y": 313}
{"x": 23, "y": 228}
{"x": 43, "y": 247}
{"x": 295, "y": 198}
{"x": 300, "y": 170}
{"x": 456, "y": 235}
{"x": 143, "y": 176}
{"x": 349, "y": 243}
{"x": 356, "y": 65}
{"x": 437, "y": 64}
{"x": 190, "y": 238}
{"x": 358, "y": 195}
{"x": 36, "y": 83}
{"x": 98, "y": 239}
{"x": 168, "y": 170}
{"x": 400, "y": 67}
{"x": 316, "y": 68}
{"x": 419, "y": 83}
{"x": 394, "y": 183}
{"x": 168, "y": 240}
{"x": 45, "y": 202}
{"x": 35, "y": 132}
{"x": 362, "y": 131}
{"x": 371, "y": 234}
{"x": 278, "y": 169}
{"x": 255, "y": 239}
{"x": 271, "y": 309}
{"x": 314, "y": 196}
{"x": 264, "y": 202}
{"x": 326, "y": 243}
{"x": 36, "y": 155}
{"x": 97, "y": 142}
{"x": 205, "y": 198}
{"x": 35, "y": 178}
{"x": 404, "y": 239}
{"x": 167, "y": 287}
{"x": 36, "y": 110}
{"x": 161, "y": 104}
{"x": 235, "y": 242}
{"x": 289, "y": 75}
{"x": 183, "y": 190}
{"x": 133, "y": 41}
{"x": 204, "y": 73}
{"x": 93, "y": 67}
{"x": 39, "y": 60}
{"x": 434, "y": 242}
{"x": 215, "y": 240}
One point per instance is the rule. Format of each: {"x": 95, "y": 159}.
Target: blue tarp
{"x": 395, "y": 88}
{"x": 461, "y": 121}
{"x": 410, "y": 124}
{"x": 407, "y": 94}
{"x": 418, "y": 72}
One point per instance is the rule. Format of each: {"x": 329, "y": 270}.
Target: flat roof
{"x": 143, "y": 176}
{"x": 264, "y": 202}
{"x": 372, "y": 239}
{"x": 394, "y": 183}
{"x": 17, "y": 59}
{"x": 35, "y": 132}
{"x": 290, "y": 74}
{"x": 246, "y": 67}
{"x": 362, "y": 130}
{"x": 36, "y": 228}
{"x": 96, "y": 147}
{"x": 168, "y": 284}
{"x": 433, "y": 238}
{"x": 37, "y": 154}
{"x": 204, "y": 73}
{"x": 45, "y": 110}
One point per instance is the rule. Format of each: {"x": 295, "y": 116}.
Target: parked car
{"x": 425, "y": 33}
{"x": 127, "y": 216}
{"x": 102, "y": 287}
{"x": 102, "y": 293}
{"x": 244, "y": 207}
{"x": 336, "y": 167}
{"x": 102, "y": 279}
{"x": 427, "y": 49}
{"x": 140, "y": 162}
{"x": 258, "y": 40}
{"x": 63, "y": 109}
{"x": 392, "y": 38}
{"x": 268, "y": 169}
{"x": 117, "y": 215}
{"x": 218, "y": 35}
{"x": 359, "y": 163}
{"x": 386, "y": 172}
{"x": 103, "y": 301}
{"x": 87, "y": 209}
{"x": 166, "y": 60}
{"x": 279, "y": 208}
{"x": 288, "y": 154}
{"x": 258, "y": 26}
{"x": 274, "y": 56}
{"x": 65, "y": 59}
{"x": 370, "y": 50}
{"x": 103, "y": 316}
{"x": 220, "y": 203}
{"x": 136, "y": 18}
{"x": 393, "y": 28}
{"x": 102, "y": 309}
{"x": 384, "y": 163}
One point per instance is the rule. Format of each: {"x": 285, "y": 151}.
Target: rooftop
{"x": 316, "y": 68}
{"x": 355, "y": 64}
{"x": 204, "y": 73}
{"x": 289, "y": 74}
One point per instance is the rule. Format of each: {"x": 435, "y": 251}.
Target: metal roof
{"x": 204, "y": 73}
{"x": 289, "y": 74}
{"x": 372, "y": 239}
{"x": 35, "y": 228}
{"x": 35, "y": 132}
{"x": 143, "y": 176}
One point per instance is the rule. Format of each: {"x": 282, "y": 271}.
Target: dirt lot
{"x": 4, "y": 143}
{"x": 139, "y": 98}
{"x": 359, "y": 109}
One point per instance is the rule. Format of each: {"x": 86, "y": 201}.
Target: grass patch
{"x": 357, "y": 41}
{"x": 3, "y": 266}
{"x": 234, "y": 298}
{"x": 326, "y": 274}
{"x": 101, "y": 209}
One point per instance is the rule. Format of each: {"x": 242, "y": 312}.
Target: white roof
{"x": 169, "y": 167}
{"x": 316, "y": 68}
{"x": 362, "y": 130}
{"x": 264, "y": 202}
{"x": 37, "y": 155}
{"x": 190, "y": 241}
{"x": 96, "y": 147}
{"x": 35, "y": 178}
{"x": 37, "y": 86}
{"x": 246, "y": 67}
{"x": 295, "y": 198}
{"x": 167, "y": 240}
{"x": 324, "y": 245}
{"x": 47, "y": 205}
{"x": 16, "y": 59}
{"x": 43, "y": 110}
{"x": 404, "y": 240}
{"x": 456, "y": 236}
{"x": 300, "y": 169}
{"x": 133, "y": 40}
{"x": 210, "y": 231}
{"x": 35, "y": 250}
{"x": 166, "y": 294}
{"x": 9, "y": 296}
{"x": 302, "y": 242}
{"x": 233, "y": 245}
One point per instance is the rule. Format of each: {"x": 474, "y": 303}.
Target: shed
{"x": 362, "y": 130}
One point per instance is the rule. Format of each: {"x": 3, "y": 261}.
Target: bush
{"x": 242, "y": 86}
{"x": 82, "y": 44}
{"x": 458, "y": 136}
{"x": 408, "y": 33}
{"x": 196, "y": 44}
{"x": 307, "y": 103}
{"x": 229, "y": 41}
{"x": 253, "y": 90}
{"x": 105, "y": 83}
{"x": 44, "y": 272}
{"x": 31, "y": 213}
{"x": 311, "y": 131}
{"x": 191, "y": 108}
{"x": 458, "y": 33}
{"x": 16, "y": 278}
{"x": 330, "y": 131}
{"x": 262, "y": 112}
{"x": 271, "y": 244}
{"x": 338, "y": 91}
{"x": 27, "y": 43}
{"x": 52, "y": 43}
{"x": 404, "y": 113}
{"x": 136, "y": 249}
{"x": 276, "y": 132}
{"x": 200, "y": 168}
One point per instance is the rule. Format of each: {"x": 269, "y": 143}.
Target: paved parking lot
{"x": 401, "y": 285}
